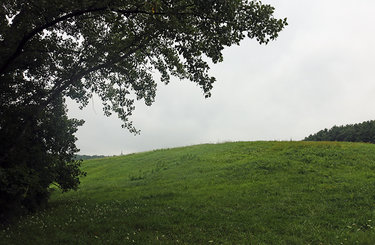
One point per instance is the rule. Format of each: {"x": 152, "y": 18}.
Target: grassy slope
{"x": 232, "y": 193}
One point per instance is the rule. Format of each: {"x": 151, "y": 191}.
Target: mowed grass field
{"x": 230, "y": 193}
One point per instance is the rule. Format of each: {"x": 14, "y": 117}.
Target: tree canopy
{"x": 53, "y": 49}
{"x": 358, "y": 132}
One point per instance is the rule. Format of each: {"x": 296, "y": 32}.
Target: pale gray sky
{"x": 320, "y": 72}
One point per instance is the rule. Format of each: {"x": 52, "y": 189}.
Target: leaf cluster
{"x": 35, "y": 154}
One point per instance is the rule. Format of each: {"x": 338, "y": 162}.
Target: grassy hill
{"x": 232, "y": 193}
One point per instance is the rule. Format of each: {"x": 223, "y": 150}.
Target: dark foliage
{"x": 87, "y": 157}
{"x": 37, "y": 151}
{"x": 359, "y": 132}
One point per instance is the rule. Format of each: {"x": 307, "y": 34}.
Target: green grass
{"x": 232, "y": 193}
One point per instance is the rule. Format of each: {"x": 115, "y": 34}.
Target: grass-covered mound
{"x": 232, "y": 193}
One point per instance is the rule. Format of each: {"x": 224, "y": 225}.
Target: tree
{"x": 359, "y": 132}
{"x": 55, "y": 49}
{"x": 42, "y": 156}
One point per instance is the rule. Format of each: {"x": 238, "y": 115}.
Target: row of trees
{"x": 87, "y": 157}
{"x": 359, "y": 132}
{"x": 50, "y": 50}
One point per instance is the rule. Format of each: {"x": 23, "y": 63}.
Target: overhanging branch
{"x": 27, "y": 37}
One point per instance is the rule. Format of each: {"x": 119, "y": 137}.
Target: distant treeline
{"x": 359, "y": 132}
{"x": 85, "y": 157}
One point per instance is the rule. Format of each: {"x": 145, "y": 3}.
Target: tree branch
{"x": 61, "y": 86}
{"x": 27, "y": 37}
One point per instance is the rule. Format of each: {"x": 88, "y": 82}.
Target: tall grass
{"x": 232, "y": 193}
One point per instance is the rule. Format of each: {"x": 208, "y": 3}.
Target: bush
{"x": 37, "y": 150}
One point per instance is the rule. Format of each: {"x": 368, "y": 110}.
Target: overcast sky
{"x": 320, "y": 72}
